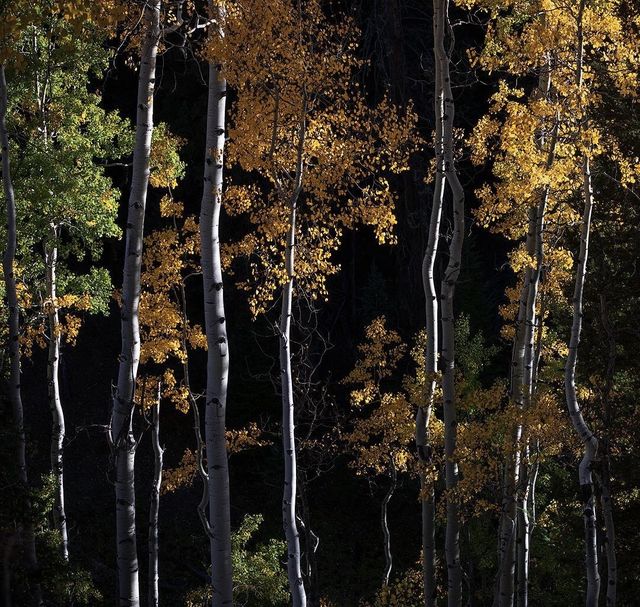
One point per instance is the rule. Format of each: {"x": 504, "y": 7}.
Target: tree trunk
{"x": 579, "y": 424}
{"x": 123, "y": 404}
{"x": 217, "y": 345}
{"x": 388, "y": 558}
{"x": 154, "y": 503}
{"x": 55, "y": 404}
{"x": 13, "y": 388}
{"x": 452, "y": 271}
{"x": 296, "y": 585}
{"x": 431, "y": 308}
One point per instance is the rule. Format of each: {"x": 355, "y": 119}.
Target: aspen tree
{"x": 304, "y": 128}
{"x": 65, "y": 213}
{"x": 581, "y": 427}
{"x": 556, "y": 33}
{"x": 15, "y": 394}
{"x": 215, "y": 325}
{"x": 121, "y": 429}
{"x": 447, "y": 289}
{"x": 432, "y": 319}
{"x": 154, "y": 502}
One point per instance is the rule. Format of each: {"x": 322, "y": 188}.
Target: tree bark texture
{"x": 123, "y": 402}
{"x": 580, "y": 425}
{"x": 217, "y": 344}
{"x": 154, "y": 504}
{"x": 53, "y": 388}
{"x": 386, "y": 535}
{"x": 451, "y": 273}
{"x": 431, "y": 314}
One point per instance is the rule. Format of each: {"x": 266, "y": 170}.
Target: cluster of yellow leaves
{"x": 68, "y": 306}
{"x": 183, "y": 474}
{"x": 180, "y": 476}
{"x": 169, "y": 256}
{"x": 245, "y": 438}
{"x": 299, "y": 115}
{"x": 405, "y": 592}
{"x": 383, "y": 434}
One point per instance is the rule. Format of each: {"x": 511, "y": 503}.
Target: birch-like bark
{"x": 384, "y": 511}
{"x": 55, "y": 403}
{"x": 216, "y": 332}
{"x": 13, "y": 389}
{"x": 154, "y": 503}
{"x": 122, "y": 438}
{"x": 451, "y": 273}
{"x": 294, "y": 568}
{"x": 580, "y": 426}
{"x": 423, "y": 416}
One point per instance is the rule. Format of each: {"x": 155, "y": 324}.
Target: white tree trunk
{"x": 123, "y": 403}
{"x": 154, "y": 503}
{"x": 13, "y": 388}
{"x": 452, "y": 271}
{"x": 384, "y": 511}
{"x": 579, "y": 424}
{"x": 217, "y": 345}
{"x": 431, "y": 308}
{"x": 55, "y": 403}
{"x": 294, "y": 571}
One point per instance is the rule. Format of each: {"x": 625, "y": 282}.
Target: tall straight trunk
{"x": 13, "y": 389}
{"x": 515, "y": 547}
{"x": 123, "y": 405}
{"x": 294, "y": 568}
{"x": 580, "y": 426}
{"x": 431, "y": 309}
{"x": 55, "y": 403}
{"x": 154, "y": 503}
{"x": 523, "y": 536}
{"x": 296, "y": 585}
{"x": 451, "y": 273}
{"x": 384, "y": 512}
{"x": 217, "y": 345}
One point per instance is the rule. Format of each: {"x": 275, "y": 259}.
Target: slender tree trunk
{"x": 384, "y": 510}
{"x": 55, "y": 403}
{"x": 431, "y": 308}
{"x": 296, "y": 585}
{"x": 154, "y": 503}
{"x": 9, "y": 544}
{"x": 580, "y": 426}
{"x": 123, "y": 402}
{"x": 582, "y": 429}
{"x": 452, "y": 271}
{"x": 13, "y": 389}
{"x": 217, "y": 345}
{"x": 523, "y": 530}
{"x": 294, "y": 568}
